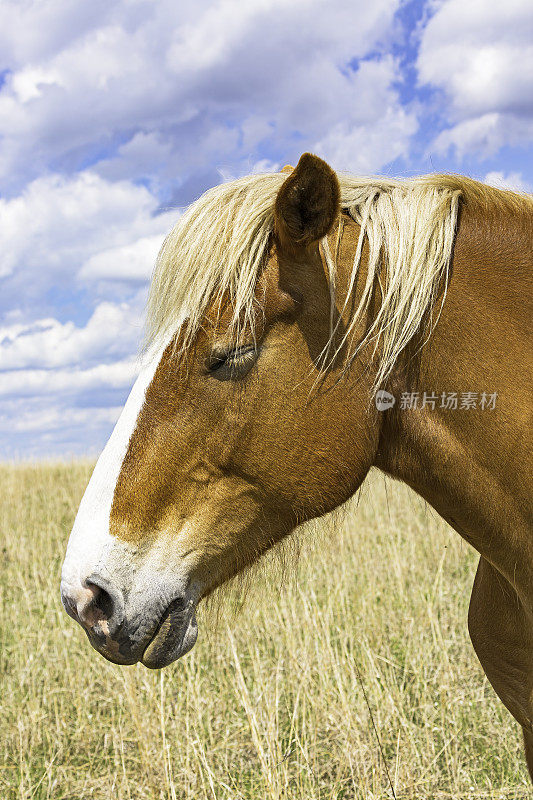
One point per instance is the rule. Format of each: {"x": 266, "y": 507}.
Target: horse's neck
{"x": 471, "y": 464}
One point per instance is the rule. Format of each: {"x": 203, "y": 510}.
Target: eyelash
{"x": 229, "y": 362}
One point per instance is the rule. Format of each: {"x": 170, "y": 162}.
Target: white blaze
{"x": 90, "y": 539}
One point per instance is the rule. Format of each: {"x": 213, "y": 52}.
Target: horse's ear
{"x": 307, "y": 203}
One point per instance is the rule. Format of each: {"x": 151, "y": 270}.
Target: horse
{"x": 302, "y": 327}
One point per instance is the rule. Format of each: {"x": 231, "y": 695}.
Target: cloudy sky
{"x": 114, "y": 114}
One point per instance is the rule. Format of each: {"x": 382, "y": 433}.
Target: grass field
{"x": 278, "y": 700}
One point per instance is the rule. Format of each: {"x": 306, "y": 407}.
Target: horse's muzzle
{"x": 154, "y": 632}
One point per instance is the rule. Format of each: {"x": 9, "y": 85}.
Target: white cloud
{"x": 57, "y": 419}
{"x": 48, "y": 426}
{"x": 57, "y": 224}
{"x": 31, "y": 31}
{"x": 113, "y": 330}
{"x": 30, "y": 82}
{"x": 376, "y": 128}
{"x": 40, "y": 382}
{"x": 133, "y": 261}
{"x": 69, "y": 235}
{"x": 511, "y": 180}
{"x": 70, "y": 410}
{"x": 159, "y": 90}
{"x": 480, "y": 55}
{"x": 484, "y": 135}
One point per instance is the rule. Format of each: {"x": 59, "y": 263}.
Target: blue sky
{"x": 114, "y": 115}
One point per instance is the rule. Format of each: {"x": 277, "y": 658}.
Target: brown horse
{"x": 303, "y": 327}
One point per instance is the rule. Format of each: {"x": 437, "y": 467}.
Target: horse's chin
{"x": 175, "y": 636}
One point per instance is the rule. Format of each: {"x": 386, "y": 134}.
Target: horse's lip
{"x": 172, "y": 637}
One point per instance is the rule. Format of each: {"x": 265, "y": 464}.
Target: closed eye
{"x": 233, "y": 363}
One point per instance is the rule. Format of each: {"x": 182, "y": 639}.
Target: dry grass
{"x": 272, "y": 704}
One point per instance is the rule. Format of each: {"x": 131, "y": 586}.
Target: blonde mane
{"x": 218, "y": 246}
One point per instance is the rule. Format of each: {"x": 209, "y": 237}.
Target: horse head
{"x": 233, "y": 434}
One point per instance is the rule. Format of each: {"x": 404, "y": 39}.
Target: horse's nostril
{"x": 107, "y": 604}
{"x": 101, "y": 608}
{"x": 95, "y": 603}
{"x": 93, "y": 606}
{"x": 102, "y": 602}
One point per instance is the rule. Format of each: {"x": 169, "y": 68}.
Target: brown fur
{"x": 245, "y": 460}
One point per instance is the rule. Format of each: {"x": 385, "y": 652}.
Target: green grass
{"x": 270, "y": 703}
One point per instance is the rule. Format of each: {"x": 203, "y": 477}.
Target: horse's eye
{"x": 225, "y": 365}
